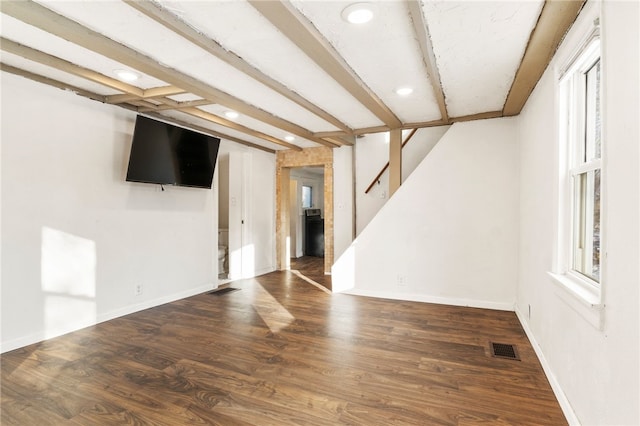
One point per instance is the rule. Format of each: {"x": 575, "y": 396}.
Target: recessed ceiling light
{"x": 404, "y": 91}
{"x": 358, "y": 13}
{"x": 289, "y": 138}
{"x": 127, "y": 75}
{"x": 231, "y": 114}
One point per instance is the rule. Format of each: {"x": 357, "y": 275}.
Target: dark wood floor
{"x": 281, "y": 352}
{"x": 313, "y": 268}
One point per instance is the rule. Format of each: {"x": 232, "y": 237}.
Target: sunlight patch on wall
{"x": 248, "y": 261}
{"x": 287, "y": 251}
{"x": 242, "y": 262}
{"x": 235, "y": 264}
{"x": 343, "y": 272}
{"x": 68, "y": 279}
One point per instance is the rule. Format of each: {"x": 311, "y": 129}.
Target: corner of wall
{"x": 565, "y": 405}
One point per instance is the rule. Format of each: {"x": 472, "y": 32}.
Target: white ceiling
{"x": 478, "y": 47}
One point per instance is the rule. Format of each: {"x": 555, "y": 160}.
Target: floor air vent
{"x": 221, "y": 291}
{"x": 503, "y": 350}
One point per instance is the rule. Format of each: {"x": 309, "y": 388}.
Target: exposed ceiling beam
{"x": 34, "y": 55}
{"x": 174, "y": 23}
{"x": 155, "y": 92}
{"x": 143, "y": 106}
{"x": 428, "y": 56}
{"x": 47, "y": 20}
{"x": 235, "y": 126}
{"x": 328, "y": 134}
{"x": 170, "y": 104}
{"x": 94, "y": 96}
{"x": 554, "y": 21}
{"x": 341, "y": 138}
{"x": 479, "y": 116}
{"x": 210, "y": 132}
{"x": 338, "y": 141}
{"x": 423, "y": 124}
{"x": 367, "y": 130}
{"x": 435, "y": 123}
{"x": 51, "y": 82}
{"x": 120, "y": 99}
{"x": 406, "y": 126}
{"x": 132, "y": 94}
{"x": 294, "y": 25}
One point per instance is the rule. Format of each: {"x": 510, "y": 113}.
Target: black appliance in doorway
{"x": 314, "y": 233}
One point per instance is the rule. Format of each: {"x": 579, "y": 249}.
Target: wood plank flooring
{"x": 282, "y": 352}
{"x": 313, "y": 268}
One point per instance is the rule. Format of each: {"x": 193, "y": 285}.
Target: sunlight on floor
{"x": 274, "y": 315}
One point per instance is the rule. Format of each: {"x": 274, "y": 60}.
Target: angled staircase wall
{"x": 450, "y": 233}
{"x": 373, "y": 153}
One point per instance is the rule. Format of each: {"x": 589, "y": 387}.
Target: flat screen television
{"x": 165, "y": 154}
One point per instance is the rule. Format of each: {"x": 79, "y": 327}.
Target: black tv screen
{"x": 169, "y": 155}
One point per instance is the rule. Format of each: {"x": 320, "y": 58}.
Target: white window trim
{"x": 582, "y": 294}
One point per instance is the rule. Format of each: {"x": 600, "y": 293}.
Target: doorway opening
{"x": 306, "y": 223}
{"x": 223, "y": 218}
{"x": 306, "y": 217}
{"x": 295, "y": 170}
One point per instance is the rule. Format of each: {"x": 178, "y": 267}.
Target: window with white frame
{"x": 307, "y": 197}
{"x": 581, "y": 136}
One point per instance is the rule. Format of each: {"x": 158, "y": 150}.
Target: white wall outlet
{"x": 402, "y": 281}
{"x": 138, "y": 289}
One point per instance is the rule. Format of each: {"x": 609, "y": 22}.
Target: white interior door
{"x": 251, "y": 215}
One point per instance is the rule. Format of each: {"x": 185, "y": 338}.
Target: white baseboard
{"x": 155, "y": 302}
{"x": 263, "y": 271}
{"x": 22, "y": 342}
{"x": 130, "y": 309}
{"x": 415, "y": 297}
{"x": 255, "y": 273}
{"x": 565, "y": 405}
{"x": 567, "y": 410}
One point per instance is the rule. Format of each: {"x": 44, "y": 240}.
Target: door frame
{"x": 285, "y": 161}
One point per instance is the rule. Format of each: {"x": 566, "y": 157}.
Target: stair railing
{"x": 377, "y": 178}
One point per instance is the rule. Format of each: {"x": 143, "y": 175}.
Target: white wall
{"x": 595, "y": 372}
{"x": 450, "y": 233}
{"x": 372, "y": 153}
{"x": 77, "y": 238}
{"x": 418, "y": 147}
{"x": 342, "y": 199}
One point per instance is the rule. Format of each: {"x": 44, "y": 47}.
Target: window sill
{"x": 584, "y": 300}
